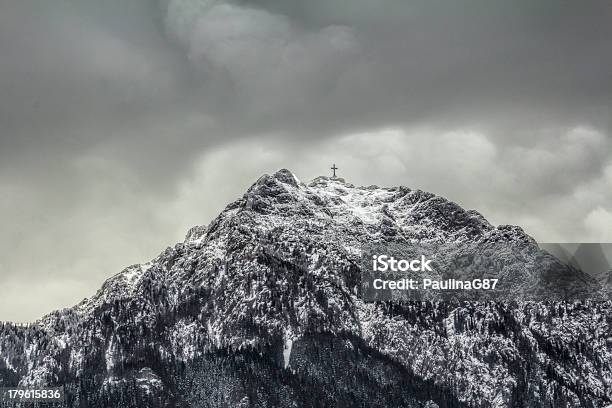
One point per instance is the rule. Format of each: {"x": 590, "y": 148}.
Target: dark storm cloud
{"x": 124, "y": 122}
{"x": 406, "y": 61}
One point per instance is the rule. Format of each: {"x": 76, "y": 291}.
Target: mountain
{"x": 263, "y": 308}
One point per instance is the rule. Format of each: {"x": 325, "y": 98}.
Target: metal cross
{"x": 334, "y": 168}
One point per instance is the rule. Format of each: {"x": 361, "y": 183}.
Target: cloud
{"x": 598, "y": 223}
{"x": 267, "y": 64}
{"x": 124, "y": 123}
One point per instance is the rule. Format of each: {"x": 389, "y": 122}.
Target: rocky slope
{"x": 262, "y": 308}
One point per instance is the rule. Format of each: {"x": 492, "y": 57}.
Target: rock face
{"x": 262, "y": 308}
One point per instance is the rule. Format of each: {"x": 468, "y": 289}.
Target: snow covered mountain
{"x": 262, "y": 308}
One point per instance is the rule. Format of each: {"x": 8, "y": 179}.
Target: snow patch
{"x": 287, "y": 351}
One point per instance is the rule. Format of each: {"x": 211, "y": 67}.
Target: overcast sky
{"x": 125, "y": 122}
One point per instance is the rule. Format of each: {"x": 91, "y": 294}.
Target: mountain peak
{"x": 287, "y": 177}
{"x": 394, "y": 211}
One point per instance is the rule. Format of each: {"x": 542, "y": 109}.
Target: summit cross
{"x": 334, "y": 168}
